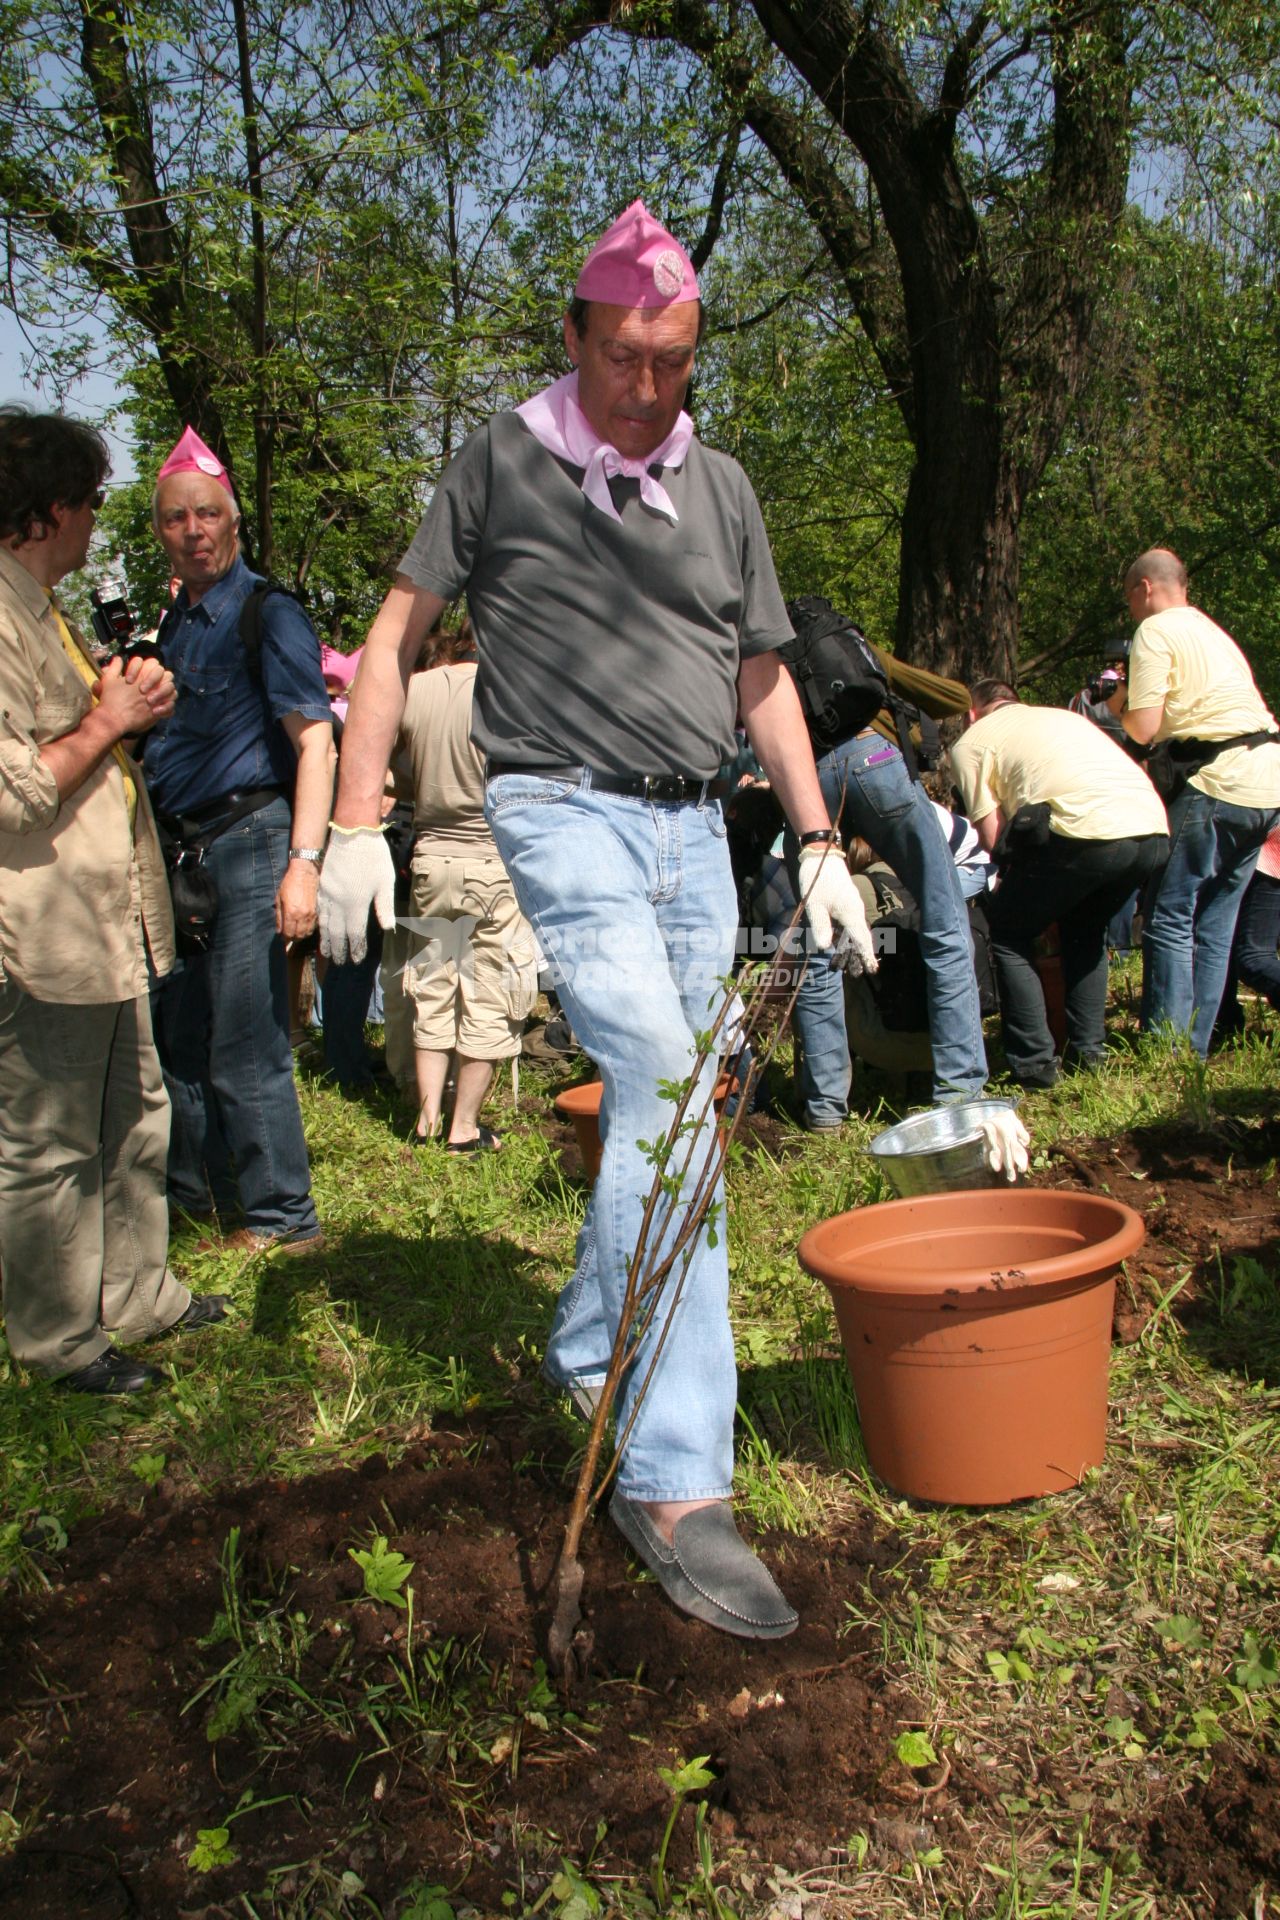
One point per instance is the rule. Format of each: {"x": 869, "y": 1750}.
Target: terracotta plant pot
{"x": 581, "y": 1105}
{"x": 977, "y": 1327}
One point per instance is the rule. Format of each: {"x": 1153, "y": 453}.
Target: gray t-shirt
{"x": 610, "y": 644}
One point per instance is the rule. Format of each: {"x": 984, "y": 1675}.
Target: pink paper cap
{"x": 192, "y": 456}
{"x": 637, "y": 263}
{"x": 339, "y": 666}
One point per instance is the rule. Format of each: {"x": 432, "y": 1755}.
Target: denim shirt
{"x": 224, "y": 735}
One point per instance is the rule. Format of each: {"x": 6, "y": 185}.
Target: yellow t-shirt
{"x": 89, "y": 674}
{"x": 1181, "y": 657}
{"x": 1022, "y": 756}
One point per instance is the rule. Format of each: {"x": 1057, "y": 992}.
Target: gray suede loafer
{"x": 708, "y": 1570}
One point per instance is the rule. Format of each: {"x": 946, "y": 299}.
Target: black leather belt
{"x": 243, "y": 801}
{"x": 664, "y": 789}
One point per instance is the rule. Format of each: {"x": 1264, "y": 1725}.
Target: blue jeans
{"x": 1191, "y": 913}
{"x": 222, "y": 1029}
{"x": 865, "y": 781}
{"x": 1254, "y": 958}
{"x": 345, "y": 1004}
{"x": 635, "y": 909}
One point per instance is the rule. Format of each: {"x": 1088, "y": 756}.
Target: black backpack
{"x": 843, "y": 685}
{"x": 250, "y": 624}
{"x": 838, "y": 675}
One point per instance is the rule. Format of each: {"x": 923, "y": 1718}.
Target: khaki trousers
{"x": 84, "y": 1223}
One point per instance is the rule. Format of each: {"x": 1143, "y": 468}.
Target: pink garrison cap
{"x": 192, "y": 456}
{"x": 637, "y": 263}
{"x": 339, "y": 666}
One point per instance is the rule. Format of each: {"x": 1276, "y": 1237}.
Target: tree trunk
{"x": 264, "y": 425}
{"x": 153, "y": 295}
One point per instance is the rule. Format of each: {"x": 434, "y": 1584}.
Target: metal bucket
{"x": 941, "y": 1151}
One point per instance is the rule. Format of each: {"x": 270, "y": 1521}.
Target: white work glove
{"x": 1005, "y": 1142}
{"x": 829, "y": 895}
{"x": 358, "y": 873}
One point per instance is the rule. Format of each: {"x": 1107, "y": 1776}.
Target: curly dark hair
{"x": 46, "y": 461}
{"x": 447, "y": 646}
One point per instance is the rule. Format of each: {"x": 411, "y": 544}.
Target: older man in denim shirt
{"x": 256, "y": 749}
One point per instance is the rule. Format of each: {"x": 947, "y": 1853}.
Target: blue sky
{"x": 91, "y": 399}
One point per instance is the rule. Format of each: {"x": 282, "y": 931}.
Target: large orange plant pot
{"x": 581, "y": 1105}
{"x": 977, "y": 1327}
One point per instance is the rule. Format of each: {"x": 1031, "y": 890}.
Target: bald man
{"x": 1191, "y": 686}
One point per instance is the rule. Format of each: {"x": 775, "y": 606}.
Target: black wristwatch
{"x": 828, "y": 836}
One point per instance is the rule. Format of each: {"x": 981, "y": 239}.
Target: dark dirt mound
{"x": 99, "y": 1672}
{"x": 1223, "y": 1841}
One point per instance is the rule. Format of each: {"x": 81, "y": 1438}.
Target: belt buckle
{"x": 653, "y": 787}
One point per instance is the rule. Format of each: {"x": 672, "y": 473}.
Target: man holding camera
{"x": 83, "y": 1223}
{"x": 1097, "y": 700}
{"x": 242, "y": 777}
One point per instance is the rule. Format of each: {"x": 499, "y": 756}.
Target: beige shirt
{"x": 1181, "y": 657}
{"x": 82, "y": 893}
{"x": 446, "y": 770}
{"x": 1024, "y": 756}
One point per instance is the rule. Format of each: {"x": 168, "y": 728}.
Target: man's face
{"x": 72, "y": 530}
{"x": 1138, "y": 596}
{"x": 197, "y": 523}
{"x": 633, "y": 367}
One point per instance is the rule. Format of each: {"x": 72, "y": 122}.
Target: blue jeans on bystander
{"x": 222, "y": 1029}
{"x": 866, "y": 784}
{"x": 1190, "y": 916}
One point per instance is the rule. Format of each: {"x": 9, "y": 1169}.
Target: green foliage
{"x": 690, "y": 1777}
{"x": 385, "y": 1571}
{"x": 213, "y": 1849}
{"x": 1260, "y": 1666}
{"x": 915, "y": 1749}
{"x": 1173, "y": 442}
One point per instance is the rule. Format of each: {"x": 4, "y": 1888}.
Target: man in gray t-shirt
{"x": 626, "y": 609}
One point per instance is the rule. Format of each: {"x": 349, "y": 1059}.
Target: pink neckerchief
{"x": 558, "y": 423}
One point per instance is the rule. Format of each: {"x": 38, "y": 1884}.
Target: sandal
{"x": 486, "y": 1141}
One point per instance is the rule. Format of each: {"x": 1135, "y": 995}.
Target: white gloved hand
{"x": 358, "y": 873}
{"x": 829, "y": 895}
{"x": 1005, "y": 1142}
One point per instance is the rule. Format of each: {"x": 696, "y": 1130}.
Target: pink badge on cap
{"x": 637, "y": 263}
{"x": 192, "y": 456}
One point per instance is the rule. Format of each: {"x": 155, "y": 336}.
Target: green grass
{"x": 1119, "y": 1635}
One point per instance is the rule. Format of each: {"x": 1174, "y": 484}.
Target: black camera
{"x": 113, "y": 618}
{"x": 115, "y": 624}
